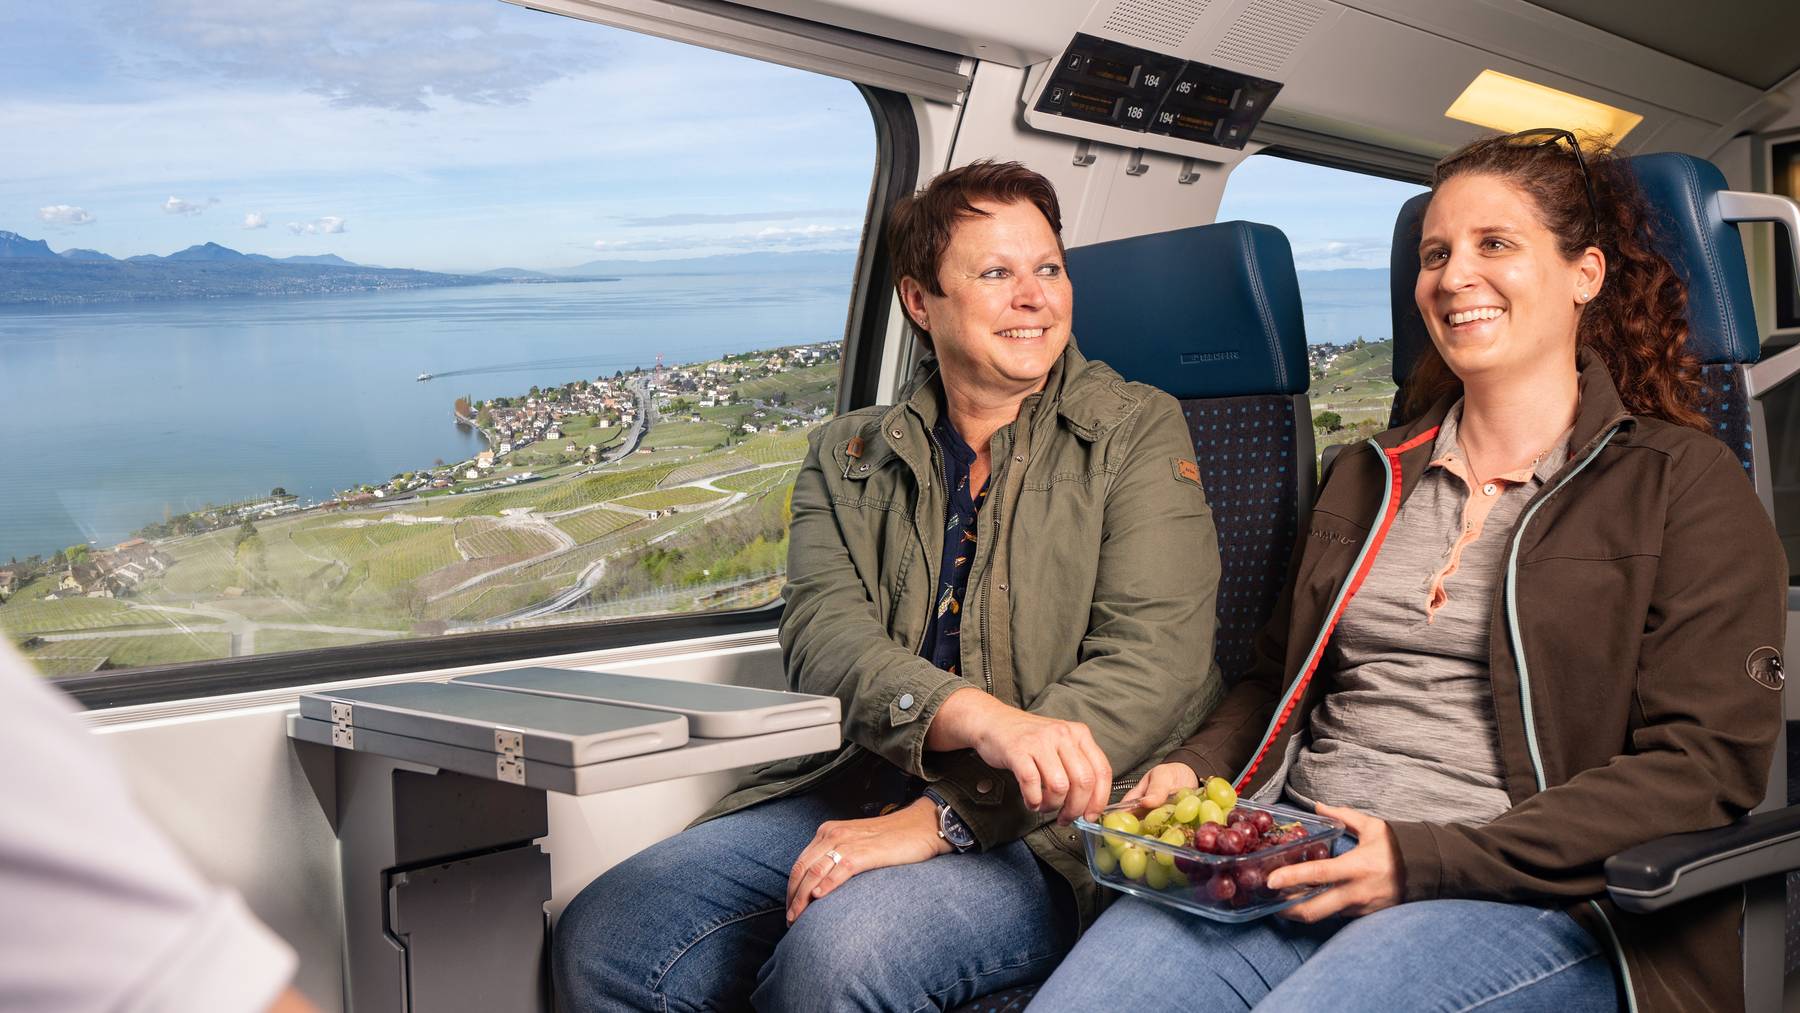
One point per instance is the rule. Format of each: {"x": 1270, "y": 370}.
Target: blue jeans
{"x": 1427, "y": 955}
{"x": 698, "y": 922}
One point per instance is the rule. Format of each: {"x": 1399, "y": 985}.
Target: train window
{"x": 394, "y": 319}
{"x": 1340, "y": 224}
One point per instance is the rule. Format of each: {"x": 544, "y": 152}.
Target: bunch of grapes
{"x": 1207, "y": 820}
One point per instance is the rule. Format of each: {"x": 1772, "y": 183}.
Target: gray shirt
{"x": 1406, "y": 728}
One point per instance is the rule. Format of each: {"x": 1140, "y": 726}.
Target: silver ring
{"x": 835, "y": 856}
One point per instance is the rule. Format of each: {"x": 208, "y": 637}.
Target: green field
{"x": 758, "y": 480}
{"x": 69, "y": 615}
{"x": 706, "y": 467}
{"x": 591, "y": 524}
{"x": 274, "y": 641}
{"x": 662, "y": 499}
{"x": 488, "y": 540}
{"x": 777, "y": 448}
{"x": 701, "y": 435}
{"x": 133, "y": 652}
{"x": 806, "y": 388}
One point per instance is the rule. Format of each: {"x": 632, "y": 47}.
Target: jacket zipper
{"x": 938, "y": 464}
{"x": 1359, "y": 570}
{"x": 987, "y": 653}
{"x": 1524, "y": 670}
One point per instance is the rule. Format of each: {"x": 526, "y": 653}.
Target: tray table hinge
{"x": 343, "y": 733}
{"x": 509, "y": 759}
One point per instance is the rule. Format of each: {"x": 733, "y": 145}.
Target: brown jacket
{"x": 1639, "y": 580}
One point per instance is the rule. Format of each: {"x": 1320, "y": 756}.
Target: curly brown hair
{"x": 1637, "y": 322}
{"x": 919, "y": 227}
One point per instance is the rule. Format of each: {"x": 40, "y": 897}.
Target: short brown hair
{"x": 920, "y": 226}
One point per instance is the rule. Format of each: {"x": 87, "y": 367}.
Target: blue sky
{"x": 447, "y": 134}
{"x": 1333, "y": 218}
{"x": 468, "y": 135}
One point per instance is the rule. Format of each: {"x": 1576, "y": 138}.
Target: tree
{"x": 1328, "y": 422}
{"x": 278, "y": 492}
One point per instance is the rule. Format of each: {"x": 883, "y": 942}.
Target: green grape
{"x": 1122, "y": 821}
{"x": 1133, "y": 862}
{"x": 1106, "y": 861}
{"x": 1116, "y": 844}
{"x": 1156, "y": 876}
{"x": 1170, "y": 836}
{"x": 1187, "y": 809}
{"x": 1178, "y": 878}
{"x": 1220, "y": 791}
{"x": 1181, "y": 793}
{"x": 1210, "y": 812}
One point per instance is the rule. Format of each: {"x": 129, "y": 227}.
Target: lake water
{"x": 115, "y": 416}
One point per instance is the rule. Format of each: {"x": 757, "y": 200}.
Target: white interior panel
{"x": 220, "y": 778}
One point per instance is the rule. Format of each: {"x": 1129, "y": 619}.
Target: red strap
{"x": 1356, "y": 581}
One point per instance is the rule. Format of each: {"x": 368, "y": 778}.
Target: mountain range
{"x": 32, "y": 273}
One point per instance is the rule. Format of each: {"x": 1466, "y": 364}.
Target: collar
{"x": 1447, "y": 453}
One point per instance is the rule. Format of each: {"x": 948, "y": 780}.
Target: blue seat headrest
{"x": 1705, "y": 250}
{"x": 1211, "y": 311}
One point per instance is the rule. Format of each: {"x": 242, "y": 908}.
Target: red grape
{"x": 1207, "y": 837}
{"x": 1231, "y": 842}
{"x": 1318, "y": 851}
{"x": 1221, "y": 889}
{"x": 1263, "y": 822}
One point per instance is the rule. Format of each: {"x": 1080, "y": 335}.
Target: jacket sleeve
{"x": 1145, "y": 670}
{"x": 834, "y": 641}
{"x": 1700, "y": 750}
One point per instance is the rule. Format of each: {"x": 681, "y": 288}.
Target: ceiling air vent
{"x": 1157, "y": 21}
{"x": 1267, "y": 33}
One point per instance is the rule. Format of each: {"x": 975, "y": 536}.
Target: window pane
{"x": 375, "y": 320}
{"x": 1340, "y": 225}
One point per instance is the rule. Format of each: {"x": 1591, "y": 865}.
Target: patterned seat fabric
{"x": 1245, "y": 447}
{"x": 1726, "y": 405}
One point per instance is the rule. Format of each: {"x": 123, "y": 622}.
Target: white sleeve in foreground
{"x": 226, "y": 961}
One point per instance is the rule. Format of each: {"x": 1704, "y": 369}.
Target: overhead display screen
{"x": 1101, "y": 81}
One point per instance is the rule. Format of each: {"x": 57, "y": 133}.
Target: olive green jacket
{"x": 1090, "y": 598}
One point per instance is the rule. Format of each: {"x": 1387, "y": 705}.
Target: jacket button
{"x": 984, "y": 786}
{"x": 1018, "y": 457}
{"x": 906, "y": 701}
{"x": 896, "y": 434}
{"x": 862, "y": 467}
{"x": 1003, "y": 585}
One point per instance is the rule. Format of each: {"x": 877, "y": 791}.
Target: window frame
{"x": 896, "y": 168}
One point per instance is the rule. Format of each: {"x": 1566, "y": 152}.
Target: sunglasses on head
{"x": 1539, "y": 137}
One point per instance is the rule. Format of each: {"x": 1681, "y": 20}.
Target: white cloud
{"x": 403, "y": 56}
{"x": 691, "y": 218}
{"x": 65, "y": 214}
{"x": 178, "y": 206}
{"x": 255, "y": 220}
{"x": 330, "y": 225}
{"x": 1334, "y": 254}
{"x": 767, "y": 240}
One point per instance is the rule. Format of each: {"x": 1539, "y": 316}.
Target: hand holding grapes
{"x": 1155, "y": 787}
{"x": 1363, "y": 880}
{"x": 1058, "y": 765}
{"x": 901, "y": 837}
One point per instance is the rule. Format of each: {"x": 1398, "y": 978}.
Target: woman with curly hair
{"x": 1522, "y": 635}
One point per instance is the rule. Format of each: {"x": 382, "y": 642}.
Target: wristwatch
{"x": 951, "y": 826}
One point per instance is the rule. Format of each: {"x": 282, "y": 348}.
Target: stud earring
{"x": 1584, "y": 297}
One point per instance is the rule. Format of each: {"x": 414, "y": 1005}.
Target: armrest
{"x": 1680, "y": 867}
